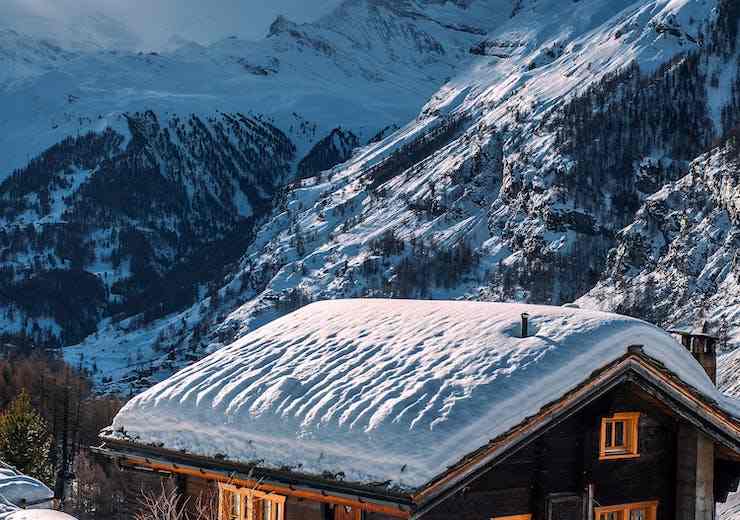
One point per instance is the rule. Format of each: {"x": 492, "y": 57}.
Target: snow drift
{"x": 18, "y": 490}
{"x": 336, "y": 384}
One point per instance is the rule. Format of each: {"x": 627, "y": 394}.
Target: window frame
{"x": 631, "y": 447}
{"x": 250, "y": 501}
{"x": 651, "y": 508}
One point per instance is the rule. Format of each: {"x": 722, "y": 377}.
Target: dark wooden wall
{"x": 557, "y": 468}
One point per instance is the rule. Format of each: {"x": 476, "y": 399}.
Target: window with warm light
{"x": 619, "y": 436}
{"x": 515, "y": 517}
{"x": 249, "y": 504}
{"x": 637, "y": 511}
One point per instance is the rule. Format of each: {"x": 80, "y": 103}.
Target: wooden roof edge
{"x": 709, "y": 410}
{"x": 732, "y": 421}
{"x": 147, "y": 455}
{"x": 552, "y": 413}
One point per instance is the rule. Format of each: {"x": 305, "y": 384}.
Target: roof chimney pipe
{"x": 525, "y": 325}
{"x": 703, "y": 346}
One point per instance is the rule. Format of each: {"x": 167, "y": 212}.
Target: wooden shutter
{"x": 258, "y": 506}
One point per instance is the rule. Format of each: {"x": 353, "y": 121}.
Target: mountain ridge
{"x": 480, "y": 165}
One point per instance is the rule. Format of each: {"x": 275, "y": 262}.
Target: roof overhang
{"x": 636, "y": 367}
{"x": 129, "y": 455}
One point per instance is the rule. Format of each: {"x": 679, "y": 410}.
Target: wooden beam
{"x": 326, "y": 498}
{"x": 722, "y": 452}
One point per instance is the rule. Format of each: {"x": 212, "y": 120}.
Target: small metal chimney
{"x": 525, "y": 325}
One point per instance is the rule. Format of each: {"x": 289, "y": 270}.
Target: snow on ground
{"x": 730, "y": 510}
{"x": 18, "y": 490}
{"x": 335, "y": 384}
{"x": 16, "y": 487}
{"x": 37, "y": 514}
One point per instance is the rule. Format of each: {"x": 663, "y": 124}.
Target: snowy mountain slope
{"x": 677, "y": 262}
{"x": 325, "y": 88}
{"x": 366, "y": 66}
{"x": 108, "y": 223}
{"x": 511, "y": 183}
{"x": 22, "y": 56}
{"x": 84, "y": 32}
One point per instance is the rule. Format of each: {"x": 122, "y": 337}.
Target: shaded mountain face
{"x": 145, "y": 176}
{"x": 106, "y": 224}
{"x": 334, "y": 149}
{"x": 524, "y": 150}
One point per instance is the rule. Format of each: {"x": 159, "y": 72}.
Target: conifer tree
{"x": 25, "y": 441}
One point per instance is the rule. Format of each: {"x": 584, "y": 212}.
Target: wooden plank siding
{"x": 296, "y": 508}
{"x": 193, "y": 481}
{"x": 564, "y": 461}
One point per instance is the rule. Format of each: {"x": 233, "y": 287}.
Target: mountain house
{"x": 383, "y": 409}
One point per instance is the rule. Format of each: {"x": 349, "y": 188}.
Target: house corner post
{"x": 694, "y": 475}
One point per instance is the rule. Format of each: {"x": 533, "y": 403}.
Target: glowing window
{"x": 619, "y": 438}
{"x": 249, "y": 504}
{"x": 637, "y": 511}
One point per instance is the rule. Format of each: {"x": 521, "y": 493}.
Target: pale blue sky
{"x": 154, "y": 22}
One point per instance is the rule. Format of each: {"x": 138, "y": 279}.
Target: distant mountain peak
{"x": 280, "y": 25}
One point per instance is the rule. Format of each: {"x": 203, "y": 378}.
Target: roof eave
{"x": 150, "y": 457}
{"x": 634, "y": 366}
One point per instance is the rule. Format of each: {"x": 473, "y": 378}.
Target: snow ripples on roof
{"x": 386, "y": 390}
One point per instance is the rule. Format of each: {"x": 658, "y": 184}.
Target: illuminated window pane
{"x": 619, "y": 433}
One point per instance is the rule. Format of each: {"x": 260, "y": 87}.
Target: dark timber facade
{"x": 633, "y": 442}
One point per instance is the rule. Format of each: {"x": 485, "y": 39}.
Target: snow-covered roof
{"x": 18, "y": 490}
{"x": 387, "y": 390}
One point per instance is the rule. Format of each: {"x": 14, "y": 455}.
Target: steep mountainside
{"x": 369, "y": 65}
{"x": 678, "y": 261}
{"x": 519, "y": 150}
{"x": 104, "y": 224}
{"x": 513, "y": 182}
{"x": 145, "y": 180}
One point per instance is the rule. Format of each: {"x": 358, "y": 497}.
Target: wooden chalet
{"x": 641, "y": 437}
